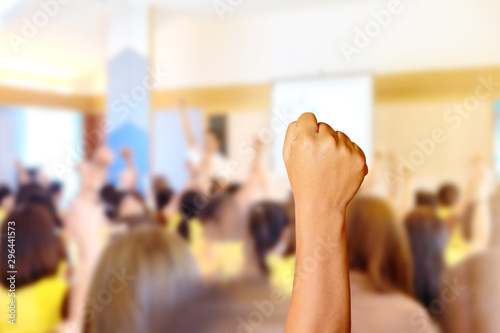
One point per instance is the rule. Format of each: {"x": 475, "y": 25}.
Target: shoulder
{"x": 376, "y": 311}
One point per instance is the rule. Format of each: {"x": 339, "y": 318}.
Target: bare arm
{"x": 22, "y": 174}
{"x": 128, "y": 177}
{"x": 256, "y": 178}
{"x": 481, "y": 219}
{"x": 186, "y": 126}
{"x": 325, "y": 170}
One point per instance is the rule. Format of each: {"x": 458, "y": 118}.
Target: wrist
{"x": 314, "y": 222}
{"x": 320, "y": 209}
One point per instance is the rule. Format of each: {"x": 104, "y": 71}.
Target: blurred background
{"x": 137, "y": 114}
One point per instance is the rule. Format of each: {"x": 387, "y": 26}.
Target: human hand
{"x": 325, "y": 167}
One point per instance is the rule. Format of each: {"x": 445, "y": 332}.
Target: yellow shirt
{"x": 444, "y": 212}
{"x": 457, "y": 249}
{"x": 219, "y": 260}
{"x": 3, "y": 215}
{"x": 37, "y": 306}
{"x": 281, "y": 272}
{"x": 174, "y": 222}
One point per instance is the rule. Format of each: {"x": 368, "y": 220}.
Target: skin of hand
{"x": 324, "y": 166}
{"x": 325, "y": 169}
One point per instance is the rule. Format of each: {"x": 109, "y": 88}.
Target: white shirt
{"x": 219, "y": 162}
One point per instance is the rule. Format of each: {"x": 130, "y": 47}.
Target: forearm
{"x": 186, "y": 127}
{"x": 481, "y": 226}
{"x": 321, "y": 294}
{"x": 22, "y": 175}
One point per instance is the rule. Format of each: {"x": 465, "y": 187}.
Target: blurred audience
{"x": 216, "y": 254}
{"x": 380, "y": 266}
{"x": 428, "y": 236}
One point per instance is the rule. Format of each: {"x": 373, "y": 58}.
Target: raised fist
{"x": 325, "y": 167}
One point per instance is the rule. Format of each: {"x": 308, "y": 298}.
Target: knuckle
{"x": 307, "y": 140}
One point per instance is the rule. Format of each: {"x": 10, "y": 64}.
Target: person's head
{"x": 33, "y": 175}
{"x": 131, "y": 203}
{"x": 163, "y": 197}
{"x": 212, "y": 141}
{"x": 110, "y": 196}
{"x": 55, "y": 190}
{"x": 233, "y": 188}
{"x": 267, "y": 223}
{"x": 7, "y": 200}
{"x": 191, "y": 204}
{"x": 143, "y": 276}
{"x": 220, "y": 186}
{"x": 377, "y": 246}
{"x": 447, "y": 195}
{"x": 428, "y": 236}
{"x": 160, "y": 183}
{"x": 220, "y": 210}
{"x": 424, "y": 198}
{"x": 36, "y": 194}
{"x": 38, "y": 249}
{"x": 132, "y": 210}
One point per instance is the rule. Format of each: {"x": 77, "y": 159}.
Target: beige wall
{"x": 400, "y": 125}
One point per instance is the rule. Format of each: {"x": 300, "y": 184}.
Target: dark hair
{"x": 32, "y": 174}
{"x": 267, "y": 220}
{"x": 191, "y": 204}
{"x": 425, "y": 198}
{"x": 39, "y": 251}
{"x": 163, "y": 197}
{"x": 448, "y": 194}
{"x": 55, "y": 187}
{"x": 428, "y": 236}
{"x": 377, "y": 246}
{"x": 110, "y": 197}
{"x": 35, "y": 194}
{"x": 5, "y": 191}
{"x": 212, "y": 207}
{"x": 232, "y": 188}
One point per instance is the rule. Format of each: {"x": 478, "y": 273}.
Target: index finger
{"x": 306, "y": 123}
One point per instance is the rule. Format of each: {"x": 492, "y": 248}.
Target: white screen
{"x": 345, "y": 103}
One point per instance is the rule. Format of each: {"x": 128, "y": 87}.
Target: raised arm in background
{"x": 85, "y": 229}
{"x": 325, "y": 170}
{"x": 186, "y": 126}
{"x": 128, "y": 177}
{"x": 23, "y": 176}
{"x": 256, "y": 180}
{"x": 386, "y": 167}
{"x": 481, "y": 218}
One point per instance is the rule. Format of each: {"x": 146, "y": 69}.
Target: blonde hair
{"x": 142, "y": 277}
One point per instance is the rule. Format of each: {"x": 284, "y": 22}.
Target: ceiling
{"x": 71, "y": 48}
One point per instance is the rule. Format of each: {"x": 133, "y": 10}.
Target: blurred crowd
{"x": 219, "y": 256}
